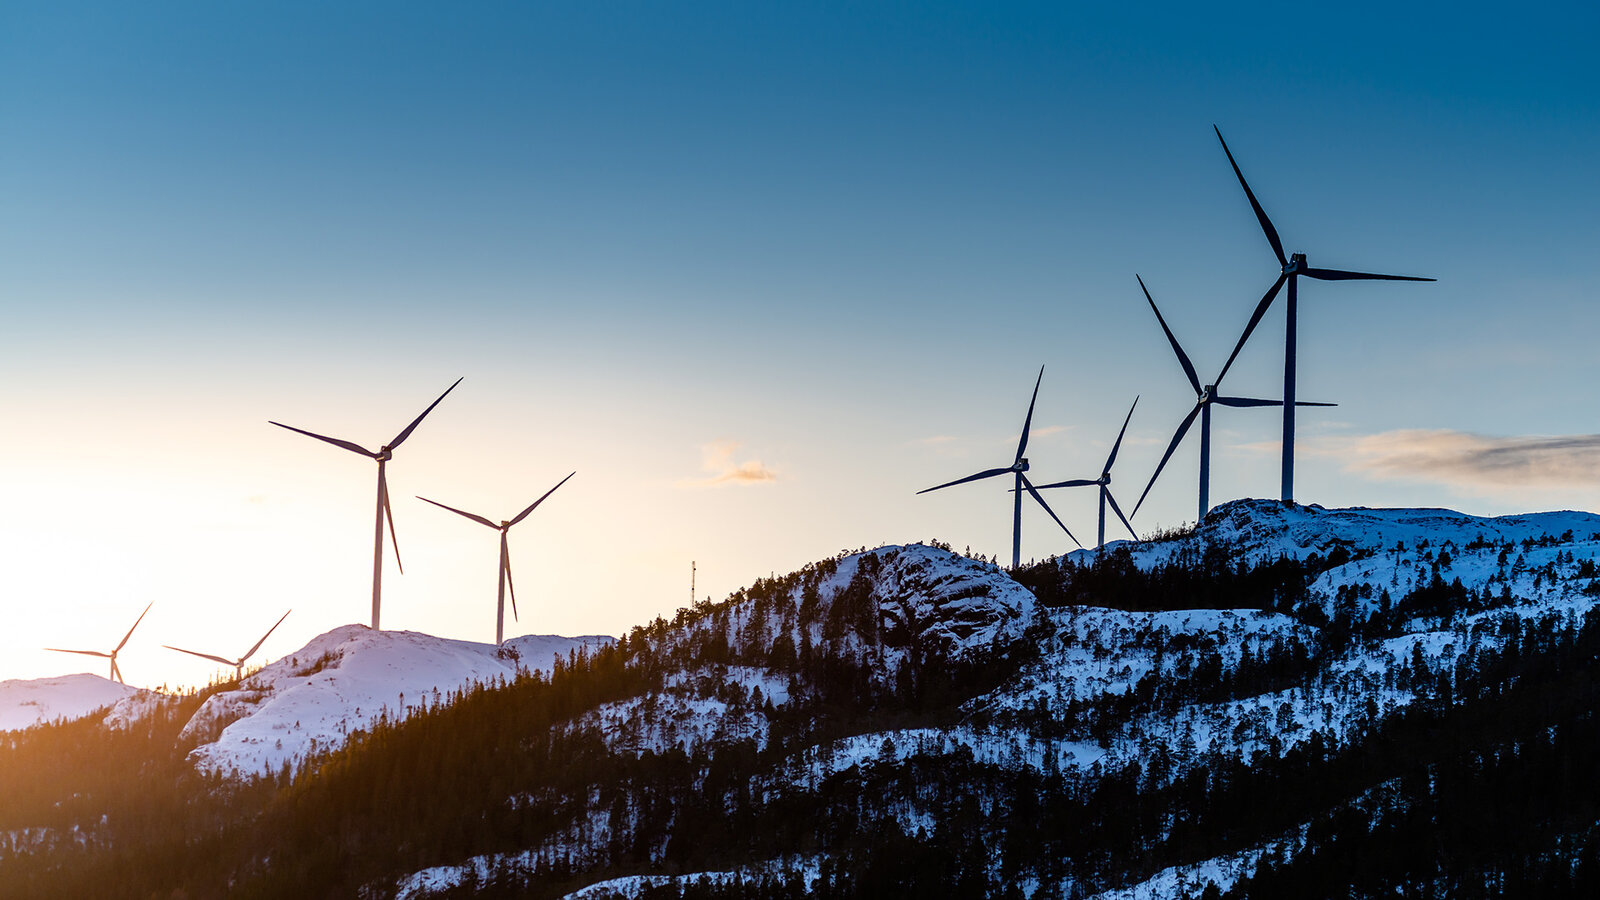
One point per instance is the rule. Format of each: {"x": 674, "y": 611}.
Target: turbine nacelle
{"x": 1021, "y": 465}
{"x": 1207, "y": 394}
{"x": 1296, "y": 264}
{"x": 384, "y": 454}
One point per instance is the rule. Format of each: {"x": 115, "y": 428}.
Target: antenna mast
{"x": 691, "y": 583}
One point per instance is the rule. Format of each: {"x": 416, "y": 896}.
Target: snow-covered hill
{"x": 1265, "y": 529}
{"x": 888, "y": 605}
{"x": 1170, "y": 715}
{"x": 25, "y": 703}
{"x": 1107, "y": 694}
{"x": 342, "y": 681}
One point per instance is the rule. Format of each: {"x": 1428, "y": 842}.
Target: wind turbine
{"x": 505, "y": 556}
{"x": 384, "y": 454}
{"x": 1205, "y": 396}
{"x": 115, "y": 672}
{"x": 1104, "y": 483}
{"x": 1292, "y": 268}
{"x": 238, "y": 664}
{"x": 1017, "y": 467}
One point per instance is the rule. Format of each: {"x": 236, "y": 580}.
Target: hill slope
{"x": 1289, "y": 702}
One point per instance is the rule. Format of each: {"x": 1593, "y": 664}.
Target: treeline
{"x": 1206, "y": 575}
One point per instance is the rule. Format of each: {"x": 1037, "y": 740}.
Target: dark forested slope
{"x": 1288, "y": 702}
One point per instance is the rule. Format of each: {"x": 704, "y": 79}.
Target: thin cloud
{"x": 1471, "y": 461}
{"x": 717, "y": 460}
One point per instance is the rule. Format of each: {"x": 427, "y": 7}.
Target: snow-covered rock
{"x": 953, "y": 605}
{"x": 25, "y": 703}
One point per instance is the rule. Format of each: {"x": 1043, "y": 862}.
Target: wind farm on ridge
{"x": 1207, "y": 395}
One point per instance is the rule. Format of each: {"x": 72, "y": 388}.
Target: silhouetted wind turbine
{"x": 384, "y": 454}
{"x": 505, "y": 556}
{"x": 238, "y": 664}
{"x": 1104, "y": 483}
{"x": 1205, "y": 396}
{"x": 115, "y": 672}
{"x": 1018, "y": 467}
{"x": 1292, "y": 268}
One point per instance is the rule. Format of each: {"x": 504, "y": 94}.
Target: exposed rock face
{"x": 944, "y": 603}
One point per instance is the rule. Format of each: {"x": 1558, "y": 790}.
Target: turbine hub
{"x": 504, "y": 525}
{"x": 384, "y": 454}
{"x": 1208, "y": 393}
{"x": 1020, "y": 465}
{"x": 1105, "y": 478}
{"x": 1297, "y": 263}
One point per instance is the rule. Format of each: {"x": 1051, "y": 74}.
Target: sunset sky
{"x": 758, "y": 273}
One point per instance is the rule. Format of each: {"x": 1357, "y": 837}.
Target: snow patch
{"x": 342, "y": 682}
{"x": 26, "y": 703}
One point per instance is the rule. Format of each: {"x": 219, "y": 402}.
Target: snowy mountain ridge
{"x": 343, "y": 681}
{"x": 1263, "y": 529}
{"x": 307, "y": 701}
{"x": 25, "y": 703}
{"x": 1229, "y": 712}
{"x": 1098, "y": 700}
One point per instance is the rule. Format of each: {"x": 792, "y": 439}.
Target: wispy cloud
{"x": 1469, "y": 461}
{"x": 717, "y": 461}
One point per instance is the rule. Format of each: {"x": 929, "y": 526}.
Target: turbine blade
{"x": 1028, "y": 485}
{"x": 535, "y": 504}
{"x": 226, "y": 662}
{"x": 986, "y": 473}
{"x": 1312, "y": 403}
{"x": 1261, "y": 215}
{"x": 1338, "y": 275}
{"x": 354, "y": 448}
{"x": 1177, "y": 438}
{"x": 1255, "y": 319}
{"x": 388, "y": 511}
{"x": 1118, "y": 510}
{"x": 400, "y": 438}
{"x": 1076, "y": 482}
{"x": 1118, "y": 445}
{"x": 135, "y": 625}
{"x": 512, "y": 587}
{"x": 257, "y": 646}
{"x": 1022, "y": 445}
{"x": 84, "y": 652}
{"x": 1245, "y": 401}
{"x": 1183, "y": 358}
{"x": 460, "y": 512}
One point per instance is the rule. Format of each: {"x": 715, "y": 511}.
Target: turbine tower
{"x": 384, "y": 454}
{"x": 1018, "y": 467}
{"x": 505, "y": 556}
{"x": 1104, "y": 483}
{"x": 115, "y": 672}
{"x": 1292, "y": 267}
{"x": 238, "y": 664}
{"x": 1205, "y": 396}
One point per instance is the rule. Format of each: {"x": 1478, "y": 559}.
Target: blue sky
{"x": 831, "y": 243}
